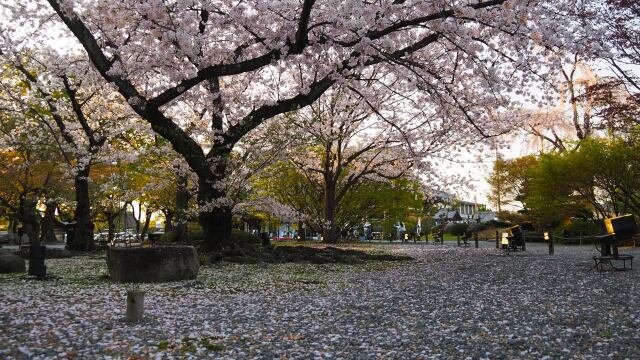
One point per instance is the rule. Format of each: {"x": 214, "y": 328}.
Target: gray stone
{"x": 155, "y": 264}
{"x": 11, "y": 263}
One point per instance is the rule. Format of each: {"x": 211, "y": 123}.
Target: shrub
{"x": 167, "y": 238}
{"x": 512, "y": 217}
{"x": 195, "y": 231}
{"x": 577, "y": 227}
{"x": 498, "y": 224}
{"x": 456, "y": 229}
{"x": 196, "y": 236}
{"x": 244, "y": 239}
{"x": 476, "y": 227}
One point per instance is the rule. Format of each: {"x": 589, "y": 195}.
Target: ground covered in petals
{"x": 447, "y": 303}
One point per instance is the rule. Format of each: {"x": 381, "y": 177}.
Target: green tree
{"x": 393, "y": 200}
{"x": 510, "y": 180}
{"x": 499, "y": 186}
{"x": 599, "y": 178}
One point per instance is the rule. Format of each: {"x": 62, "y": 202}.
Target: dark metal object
{"x": 36, "y": 261}
{"x": 600, "y": 261}
{"x": 619, "y": 229}
{"x": 70, "y": 231}
{"x": 623, "y": 227}
{"x": 516, "y": 240}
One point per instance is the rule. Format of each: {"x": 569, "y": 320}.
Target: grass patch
{"x": 163, "y": 345}
{"x": 211, "y": 346}
{"x": 286, "y": 269}
{"x": 606, "y": 334}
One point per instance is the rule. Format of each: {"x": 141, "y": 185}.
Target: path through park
{"x": 448, "y": 303}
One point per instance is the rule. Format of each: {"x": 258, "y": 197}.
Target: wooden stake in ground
{"x": 135, "y": 305}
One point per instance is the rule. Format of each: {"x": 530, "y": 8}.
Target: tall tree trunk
{"x": 29, "y": 219}
{"x": 47, "y": 234}
{"x": 12, "y": 228}
{"x": 301, "y": 231}
{"x": 137, "y": 219}
{"x": 111, "y": 222}
{"x": 182, "y": 204}
{"x": 83, "y": 235}
{"x": 145, "y": 227}
{"x": 330, "y": 233}
{"x": 215, "y": 218}
{"x": 168, "y": 220}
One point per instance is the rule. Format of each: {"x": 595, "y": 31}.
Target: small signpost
{"x": 505, "y": 241}
{"x": 550, "y": 240}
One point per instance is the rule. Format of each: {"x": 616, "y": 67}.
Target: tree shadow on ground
{"x": 303, "y": 254}
{"x": 245, "y": 248}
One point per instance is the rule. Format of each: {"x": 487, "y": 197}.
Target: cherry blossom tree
{"x": 341, "y": 141}
{"x": 29, "y": 170}
{"x": 587, "y": 105}
{"x": 617, "y": 42}
{"x": 204, "y": 75}
{"x": 571, "y": 117}
{"x": 616, "y": 22}
{"x": 590, "y": 98}
{"x": 72, "y": 104}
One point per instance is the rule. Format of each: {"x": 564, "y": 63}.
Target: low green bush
{"x": 196, "y": 236}
{"x": 577, "y": 227}
{"x": 456, "y": 229}
{"x": 195, "y": 231}
{"x": 477, "y": 227}
{"x": 498, "y": 224}
{"x": 243, "y": 237}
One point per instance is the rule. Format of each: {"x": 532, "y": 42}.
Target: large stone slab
{"x": 154, "y": 264}
{"x": 11, "y": 263}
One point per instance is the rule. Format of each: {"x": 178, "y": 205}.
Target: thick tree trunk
{"x": 301, "y": 231}
{"x": 182, "y": 204}
{"x": 47, "y": 234}
{"x": 330, "y": 232}
{"x": 216, "y": 219}
{"x": 168, "y": 220}
{"x": 145, "y": 228}
{"x": 12, "y": 228}
{"x": 137, "y": 219}
{"x": 111, "y": 222}
{"x": 83, "y": 235}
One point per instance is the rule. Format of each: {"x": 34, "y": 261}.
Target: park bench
{"x": 619, "y": 229}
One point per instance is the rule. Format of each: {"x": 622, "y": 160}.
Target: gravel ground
{"x": 448, "y": 303}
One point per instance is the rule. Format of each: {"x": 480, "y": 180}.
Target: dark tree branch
{"x": 257, "y": 116}
{"x": 75, "y": 105}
